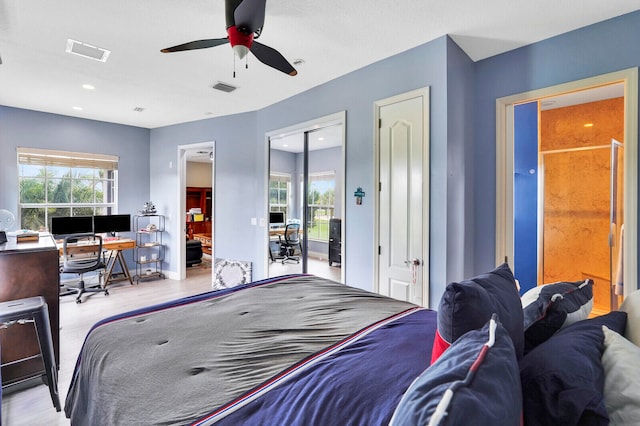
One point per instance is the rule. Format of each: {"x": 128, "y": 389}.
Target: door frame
{"x": 377, "y": 106}
{"x": 504, "y": 163}
{"x": 338, "y": 118}
{"x": 181, "y": 223}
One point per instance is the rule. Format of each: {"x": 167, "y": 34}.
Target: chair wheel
{"x": 78, "y": 300}
{"x": 106, "y": 292}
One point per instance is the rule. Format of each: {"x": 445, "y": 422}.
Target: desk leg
{"x": 124, "y": 267}
{"x": 111, "y": 262}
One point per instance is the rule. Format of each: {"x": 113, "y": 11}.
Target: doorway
{"x": 196, "y": 171}
{"x": 305, "y": 206}
{"x": 550, "y": 194}
{"x": 402, "y": 199}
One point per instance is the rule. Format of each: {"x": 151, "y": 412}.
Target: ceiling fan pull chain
{"x": 234, "y": 65}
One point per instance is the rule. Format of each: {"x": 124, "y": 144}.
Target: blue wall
{"x": 462, "y": 145}
{"x": 241, "y": 157}
{"x": 525, "y": 195}
{"x": 25, "y": 128}
{"x": 598, "y": 49}
{"x": 236, "y": 178}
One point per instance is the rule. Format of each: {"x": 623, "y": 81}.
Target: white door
{"x": 403, "y": 197}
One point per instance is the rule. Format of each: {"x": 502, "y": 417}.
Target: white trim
{"x": 338, "y": 118}
{"x": 504, "y": 164}
{"x": 181, "y": 224}
{"x": 418, "y": 93}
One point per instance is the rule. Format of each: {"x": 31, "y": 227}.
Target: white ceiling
{"x": 333, "y": 37}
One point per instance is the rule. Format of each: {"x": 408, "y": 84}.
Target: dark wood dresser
{"x": 28, "y": 269}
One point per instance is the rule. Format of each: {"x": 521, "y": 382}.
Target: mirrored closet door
{"x": 306, "y": 187}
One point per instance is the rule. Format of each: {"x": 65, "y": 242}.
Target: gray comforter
{"x": 173, "y": 364}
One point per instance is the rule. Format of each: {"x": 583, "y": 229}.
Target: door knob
{"x": 415, "y": 262}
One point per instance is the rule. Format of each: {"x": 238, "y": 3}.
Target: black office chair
{"x": 82, "y": 253}
{"x": 290, "y": 241}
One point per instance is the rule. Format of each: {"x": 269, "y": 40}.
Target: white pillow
{"x": 621, "y": 362}
{"x": 631, "y": 306}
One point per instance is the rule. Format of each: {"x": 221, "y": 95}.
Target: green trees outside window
{"x": 63, "y": 186}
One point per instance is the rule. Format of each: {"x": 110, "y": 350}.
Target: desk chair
{"x": 82, "y": 253}
{"x": 289, "y": 242}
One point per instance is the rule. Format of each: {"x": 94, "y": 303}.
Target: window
{"x": 59, "y": 183}
{"x": 320, "y": 201}
{"x": 279, "y": 189}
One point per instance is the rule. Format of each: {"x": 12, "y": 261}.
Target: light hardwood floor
{"x": 33, "y": 407}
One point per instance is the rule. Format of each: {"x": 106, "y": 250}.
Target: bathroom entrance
{"x": 568, "y": 191}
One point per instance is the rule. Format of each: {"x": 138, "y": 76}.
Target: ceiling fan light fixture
{"x": 241, "y": 51}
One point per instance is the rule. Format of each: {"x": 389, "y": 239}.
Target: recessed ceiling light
{"x": 77, "y": 108}
{"x": 88, "y": 51}
{"x": 88, "y": 87}
{"x": 588, "y": 125}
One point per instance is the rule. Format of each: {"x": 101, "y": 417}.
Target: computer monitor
{"x": 276, "y": 219}
{"x": 62, "y": 226}
{"x": 110, "y": 224}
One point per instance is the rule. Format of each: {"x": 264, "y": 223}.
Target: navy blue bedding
{"x": 289, "y": 350}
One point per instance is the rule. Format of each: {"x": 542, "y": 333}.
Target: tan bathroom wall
{"x": 576, "y": 195}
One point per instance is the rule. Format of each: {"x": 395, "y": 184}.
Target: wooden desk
{"x": 205, "y": 239}
{"x": 28, "y": 269}
{"x": 115, "y": 255}
{"x": 280, "y": 231}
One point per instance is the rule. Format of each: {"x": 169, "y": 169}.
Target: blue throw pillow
{"x": 563, "y": 378}
{"x": 469, "y": 304}
{"x": 485, "y": 380}
{"x": 550, "y": 307}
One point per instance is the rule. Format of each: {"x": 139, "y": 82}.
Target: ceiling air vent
{"x": 224, "y": 87}
{"x": 88, "y": 51}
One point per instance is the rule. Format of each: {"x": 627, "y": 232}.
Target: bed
{"x": 254, "y": 354}
{"x": 302, "y": 350}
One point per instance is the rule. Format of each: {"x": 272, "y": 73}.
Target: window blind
{"x": 47, "y": 157}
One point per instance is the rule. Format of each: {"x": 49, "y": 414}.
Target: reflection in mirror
{"x": 305, "y": 203}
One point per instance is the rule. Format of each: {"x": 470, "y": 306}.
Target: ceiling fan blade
{"x": 270, "y": 56}
{"x": 249, "y": 14}
{"x": 198, "y": 44}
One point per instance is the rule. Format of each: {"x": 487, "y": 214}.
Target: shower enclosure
{"x": 581, "y": 219}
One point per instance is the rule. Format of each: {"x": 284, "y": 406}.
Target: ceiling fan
{"x": 245, "y": 19}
